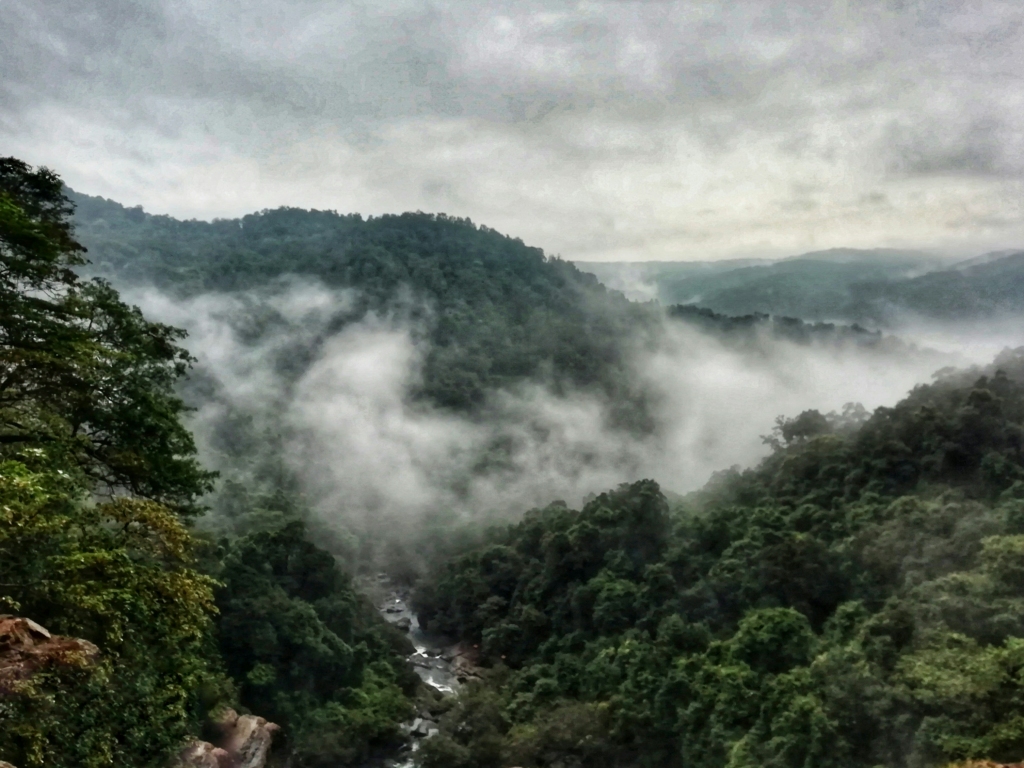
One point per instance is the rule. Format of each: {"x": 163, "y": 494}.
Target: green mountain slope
{"x": 855, "y": 601}
{"x": 495, "y": 310}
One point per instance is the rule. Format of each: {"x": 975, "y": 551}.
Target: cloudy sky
{"x": 596, "y": 130}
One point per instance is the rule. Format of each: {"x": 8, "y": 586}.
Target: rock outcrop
{"x": 244, "y": 742}
{"x": 27, "y": 648}
{"x": 202, "y": 754}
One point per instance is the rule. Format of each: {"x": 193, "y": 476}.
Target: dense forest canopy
{"x": 852, "y": 601}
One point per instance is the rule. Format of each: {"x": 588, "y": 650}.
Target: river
{"x": 438, "y": 662}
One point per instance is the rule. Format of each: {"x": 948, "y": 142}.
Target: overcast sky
{"x": 596, "y": 130}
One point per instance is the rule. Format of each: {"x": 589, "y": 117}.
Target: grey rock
{"x": 202, "y": 754}
{"x": 423, "y": 727}
{"x": 246, "y": 742}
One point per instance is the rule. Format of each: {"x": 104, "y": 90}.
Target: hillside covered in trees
{"x": 495, "y": 310}
{"x": 852, "y": 601}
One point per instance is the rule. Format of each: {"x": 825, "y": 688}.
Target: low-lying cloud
{"x": 369, "y": 456}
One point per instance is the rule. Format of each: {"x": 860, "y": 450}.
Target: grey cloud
{"x": 388, "y": 60}
{"x": 532, "y": 116}
{"x": 984, "y": 147}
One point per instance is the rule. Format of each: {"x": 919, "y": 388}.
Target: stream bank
{"x": 443, "y": 666}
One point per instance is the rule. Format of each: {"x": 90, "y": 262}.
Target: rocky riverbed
{"x": 442, "y": 665}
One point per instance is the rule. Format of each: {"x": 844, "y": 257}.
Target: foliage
{"x": 95, "y": 470}
{"x": 307, "y": 651}
{"x": 119, "y": 575}
{"x": 853, "y": 601}
{"x": 83, "y": 375}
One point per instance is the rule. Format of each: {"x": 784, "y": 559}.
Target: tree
{"x": 96, "y": 471}
{"x": 85, "y": 380}
{"x": 120, "y": 575}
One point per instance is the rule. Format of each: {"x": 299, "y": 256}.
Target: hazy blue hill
{"x": 975, "y": 289}
{"x": 814, "y": 286}
{"x": 985, "y": 258}
{"x": 807, "y": 287}
{"x": 845, "y": 285}
{"x": 886, "y": 257}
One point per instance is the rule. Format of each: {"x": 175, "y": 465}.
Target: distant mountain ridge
{"x": 986, "y": 258}
{"x": 978, "y": 289}
{"x": 847, "y": 285}
{"x": 884, "y": 256}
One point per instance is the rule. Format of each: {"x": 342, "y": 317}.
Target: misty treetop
{"x": 852, "y": 601}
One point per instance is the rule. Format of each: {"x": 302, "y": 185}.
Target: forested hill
{"x": 813, "y": 286}
{"x": 497, "y": 310}
{"x": 990, "y": 285}
{"x": 444, "y": 256}
{"x": 853, "y": 602}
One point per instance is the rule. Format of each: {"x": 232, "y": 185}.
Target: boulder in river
{"x": 422, "y": 728}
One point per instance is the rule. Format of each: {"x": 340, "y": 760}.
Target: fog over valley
{"x": 365, "y": 448}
